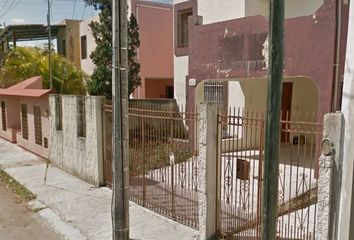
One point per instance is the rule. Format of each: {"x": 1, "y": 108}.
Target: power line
{"x": 4, "y": 10}
{"x": 4, "y": 6}
{"x": 74, "y": 9}
{"x": 83, "y": 13}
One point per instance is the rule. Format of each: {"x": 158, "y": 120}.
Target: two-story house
{"x": 221, "y": 52}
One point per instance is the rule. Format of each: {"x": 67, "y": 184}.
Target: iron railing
{"x": 163, "y": 152}
{"x": 241, "y": 135}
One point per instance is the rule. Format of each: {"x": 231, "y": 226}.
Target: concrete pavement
{"x": 78, "y": 210}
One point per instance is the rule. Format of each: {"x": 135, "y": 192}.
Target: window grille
{"x": 81, "y": 117}
{"x": 3, "y": 116}
{"x": 83, "y": 47}
{"x": 58, "y": 113}
{"x": 24, "y": 121}
{"x": 37, "y": 125}
{"x": 214, "y": 92}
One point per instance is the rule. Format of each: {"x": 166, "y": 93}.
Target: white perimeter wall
{"x": 80, "y": 156}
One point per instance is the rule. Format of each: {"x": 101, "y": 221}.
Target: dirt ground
{"x": 17, "y": 222}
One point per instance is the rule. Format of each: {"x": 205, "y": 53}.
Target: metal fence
{"x": 163, "y": 161}
{"x": 241, "y": 151}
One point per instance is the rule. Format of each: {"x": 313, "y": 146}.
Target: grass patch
{"x": 21, "y": 192}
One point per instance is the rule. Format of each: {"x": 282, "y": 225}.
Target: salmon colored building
{"x": 155, "y": 54}
{"x": 155, "y": 21}
{"x": 24, "y": 111}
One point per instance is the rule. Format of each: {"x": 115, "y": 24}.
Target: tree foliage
{"x": 100, "y": 82}
{"x": 24, "y": 62}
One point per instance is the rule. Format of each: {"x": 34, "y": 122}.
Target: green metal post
{"x": 275, "y": 78}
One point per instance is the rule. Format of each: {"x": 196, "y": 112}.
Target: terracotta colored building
{"x": 24, "y": 115}
{"x": 221, "y": 53}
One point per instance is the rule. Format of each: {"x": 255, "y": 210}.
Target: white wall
{"x": 305, "y": 96}
{"x": 346, "y": 214}
{"x": 81, "y": 156}
{"x": 236, "y": 98}
{"x": 220, "y": 10}
{"x": 293, "y": 8}
{"x": 86, "y": 64}
{"x": 180, "y": 73}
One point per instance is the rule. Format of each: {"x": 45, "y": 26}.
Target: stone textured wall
{"x": 81, "y": 156}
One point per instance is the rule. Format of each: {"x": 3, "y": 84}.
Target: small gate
{"x": 163, "y": 151}
{"x": 241, "y": 156}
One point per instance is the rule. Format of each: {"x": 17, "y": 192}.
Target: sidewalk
{"x": 78, "y": 210}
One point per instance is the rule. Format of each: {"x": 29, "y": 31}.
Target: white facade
{"x": 214, "y": 11}
{"x": 87, "y": 65}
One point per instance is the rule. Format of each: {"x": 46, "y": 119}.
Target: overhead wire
{"x": 11, "y": 6}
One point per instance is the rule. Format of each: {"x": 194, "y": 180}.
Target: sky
{"x": 35, "y": 11}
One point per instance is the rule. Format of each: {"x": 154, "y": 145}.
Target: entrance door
{"x": 286, "y": 108}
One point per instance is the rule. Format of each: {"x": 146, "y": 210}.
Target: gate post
{"x": 329, "y": 183}
{"x": 207, "y": 172}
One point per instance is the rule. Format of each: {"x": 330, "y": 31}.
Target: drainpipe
{"x": 336, "y": 78}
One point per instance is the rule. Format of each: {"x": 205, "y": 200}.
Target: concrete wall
{"x": 86, "y": 64}
{"x": 72, "y": 39}
{"x": 12, "y": 118}
{"x": 30, "y": 144}
{"x": 71, "y": 34}
{"x": 81, "y": 156}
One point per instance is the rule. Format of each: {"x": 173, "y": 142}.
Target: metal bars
{"x": 163, "y": 152}
{"x": 241, "y": 175}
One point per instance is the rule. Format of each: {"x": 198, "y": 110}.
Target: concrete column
{"x": 346, "y": 214}
{"x": 207, "y": 170}
{"x": 329, "y": 179}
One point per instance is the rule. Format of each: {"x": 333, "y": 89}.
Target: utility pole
{"x": 120, "y": 156}
{"x": 49, "y": 47}
{"x": 275, "y": 86}
{"x": 346, "y": 213}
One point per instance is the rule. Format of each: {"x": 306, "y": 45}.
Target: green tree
{"x": 100, "y": 82}
{"x": 24, "y": 62}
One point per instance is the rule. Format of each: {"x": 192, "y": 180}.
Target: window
{"x": 214, "y": 92}
{"x": 182, "y": 27}
{"x": 83, "y": 47}
{"x": 3, "y": 116}
{"x": 58, "y": 113}
{"x": 24, "y": 121}
{"x": 169, "y": 92}
{"x": 37, "y": 125}
{"x": 64, "y": 47}
{"x": 81, "y": 117}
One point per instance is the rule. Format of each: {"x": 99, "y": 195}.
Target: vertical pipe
{"x": 120, "y": 160}
{"x": 49, "y": 48}
{"x": 275, "y": 77}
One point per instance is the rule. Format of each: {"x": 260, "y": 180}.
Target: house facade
{"x": 221, "y": 53}
{"x": 24, "y": 115}
{"x": 155, "y": 54}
